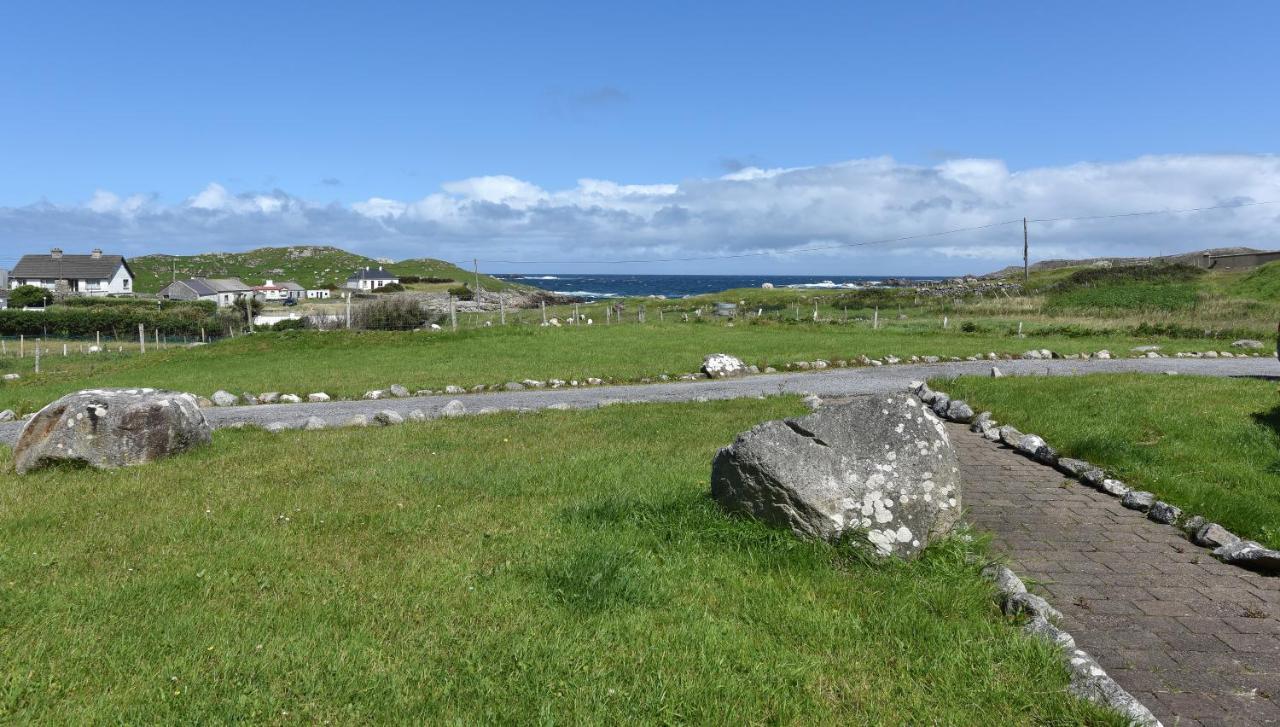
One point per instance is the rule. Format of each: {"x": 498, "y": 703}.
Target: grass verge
{"x": 348, "y": 363}
{"x": 563, "y": 567}
{"x": 1208, "y": 445}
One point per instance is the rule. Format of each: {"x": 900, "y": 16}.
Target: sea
{"x": 599, "y": 285}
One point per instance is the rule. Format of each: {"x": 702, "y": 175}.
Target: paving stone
{"x": 1165, "y": 619}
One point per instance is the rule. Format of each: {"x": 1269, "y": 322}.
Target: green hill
{"x": 310, "y": 266}
{"x": 1261, "y": 283}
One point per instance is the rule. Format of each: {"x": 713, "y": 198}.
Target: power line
{"x": 1144, "y": 213}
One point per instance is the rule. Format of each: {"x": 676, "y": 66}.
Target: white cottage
{"x": 92, "y": 274}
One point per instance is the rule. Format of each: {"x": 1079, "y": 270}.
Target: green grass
{"x": 1208, "y": 445}
{"x": 1261, "y": 283}
{"x": 1128, "y": 296}
{"x": 309, "y": 266}
{"x": 347, "y": 364}
{"x": 562, "y": 567}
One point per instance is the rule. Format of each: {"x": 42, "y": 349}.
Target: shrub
{"x": 391, "y": 314}
{"x": 461, "y": 292}
{"x": 29, "y": 296}
{"x": 290, "y": 324}
{"x": 390, "y": 288}
{"x": 969, "y": 327}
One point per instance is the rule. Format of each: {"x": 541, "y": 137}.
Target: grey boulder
{"x": 387, "y": 417}
{"x": 880, "y": 469}
{"x": 1163, "y": 512}
{"x": 1139, "y": 500}
{"x": 1213, "y": 535}
{"x": 107, "y": 428}
{"x": 454, "y": 408}
{"x": 398, "y": 391}
{"x": 959, "y": 411}
{"x": 7, "y": 415}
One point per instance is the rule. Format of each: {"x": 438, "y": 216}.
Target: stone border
{"x": 1088, "y": 679}
{"x": 225, "y": 398}
{"x": 1225, "y": 545}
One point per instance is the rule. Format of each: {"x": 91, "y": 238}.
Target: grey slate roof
{"x": 213, "y": 286}
{"x": 378, "y": 273}
{"x": 78, "y": 267}
{"x": 290, "y": 285}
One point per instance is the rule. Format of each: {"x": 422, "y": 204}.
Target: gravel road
{"x": 826, "y": 383}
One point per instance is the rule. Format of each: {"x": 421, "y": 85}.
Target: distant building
{"x": 1237, "y": 260}
{"x": 92, "y": 274}
{"x": 318, "y": 294}
{"x": 293, "y": 290}
{"x": 4, "y": 298}
{"x": 222, "y": 291}
{"x": 370, "y": 279}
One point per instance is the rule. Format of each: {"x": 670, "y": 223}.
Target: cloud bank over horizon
{"x": 750, "y": 210}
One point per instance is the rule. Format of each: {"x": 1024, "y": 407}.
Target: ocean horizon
{"x": 603, "y": 285}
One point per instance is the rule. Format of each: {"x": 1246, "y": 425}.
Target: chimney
{"x": 96, "y": 253}
{"x": 269, "y": 283}
{"x": 56, "y": 253}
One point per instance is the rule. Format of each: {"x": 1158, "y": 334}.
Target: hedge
{"x": 120, "y": 321}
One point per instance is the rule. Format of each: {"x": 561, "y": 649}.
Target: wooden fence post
{"x": 142, "y": 339}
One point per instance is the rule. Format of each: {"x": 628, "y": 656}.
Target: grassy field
{"x": 1207, "y": 445}
{"x": 560, "y": 567}
{"x": 347, "y": 364}
{"x": 310, "y": 266}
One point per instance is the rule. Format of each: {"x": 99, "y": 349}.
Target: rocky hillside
{"x": 1189, "y": 258}
{"x": 311, "y": 266}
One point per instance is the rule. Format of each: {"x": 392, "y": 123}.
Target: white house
{"x": 370, "y": 279}
{"x": 318, "y": 294}
{"x": 270, "y": 290}
{"x": 222, "y": 291}
{"x": 92, "y": 274}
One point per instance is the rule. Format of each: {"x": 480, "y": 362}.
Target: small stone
{"x": 398, "y": 391}
{"x": 513, "y": 386}
{"x": 959, "y": 411}
{"x": 358, "y": 420}
{"x": 1010, "y": 435}
{"x": 454, "y": 408}
{"x": 224, "y": 398}
{"x": 981, "y": 422}
{"x": 1192, "y": 525}
{"x": 375, "y": 394}
{"x": 1006, "y": 581}
{"x": 453, "y": 389}
{"x": 249, "y": 399}
{"x": 813, "y": 401}
{"x": 1115, "y": 488}
{"x": 7, "y": 415}
{"x": 1213, "y": 535}
{"x": 1139, "y": 500}
{"x": 317, "y": 397}
{"x": 1093, "y": 477}
{"x": 269, "y": 397}
{"x": 1250, "y": 555}
{"x": 1073, "y": 467}
{"x": 290, "y": 399}
{"x": 593, "y": 381}
{"x": 417, "y": 415}
{"x": 387, "y": 418}
{"x": 1029, "y": 444}
{"x": 314, "y": 424}
{"x": 1163, "y": 512}
{"x": 478, "y": 388}
{"x": 1103, "y": 354}
{"x": 487, "y": 410}
{"x": 533, "y": 384}
{"x": 276, "y": 427}
{"x": 1247, "y": 343}
{"x": 1145, "y": 349}
{"x": 1046, "y": 454}
{"x": 996, "y": 372}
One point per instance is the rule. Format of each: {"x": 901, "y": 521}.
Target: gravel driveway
{"x": 828, "y": 382}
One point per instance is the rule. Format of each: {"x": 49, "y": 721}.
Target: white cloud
{"x": 750, "y": 210}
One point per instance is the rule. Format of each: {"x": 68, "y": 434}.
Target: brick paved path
{"x": 1197, "y": 641}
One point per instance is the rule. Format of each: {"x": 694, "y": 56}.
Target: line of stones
{"x": 1088, "y": 679}
{"x": 1225, "y": 545}
{"x": 224, "y": 398}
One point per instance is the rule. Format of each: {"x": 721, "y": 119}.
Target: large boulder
{"x": 108, "y": 428}
{"x": 722, "y": 366}
{"x": 878, "y": 468}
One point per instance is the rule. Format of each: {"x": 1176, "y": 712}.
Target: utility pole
{"x": 475, "y": 266}
{"x": 1026, "y": 268}
{"x": 348, "y": 309}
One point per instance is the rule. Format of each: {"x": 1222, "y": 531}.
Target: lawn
{"x": 1208, "y": 445}
{"x": 347, "y": 364}
{"x": 559, "y": 567}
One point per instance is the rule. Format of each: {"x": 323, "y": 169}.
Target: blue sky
{"x": 464, "y": 129}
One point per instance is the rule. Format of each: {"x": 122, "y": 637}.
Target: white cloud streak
{"x": 748, "y": 211}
